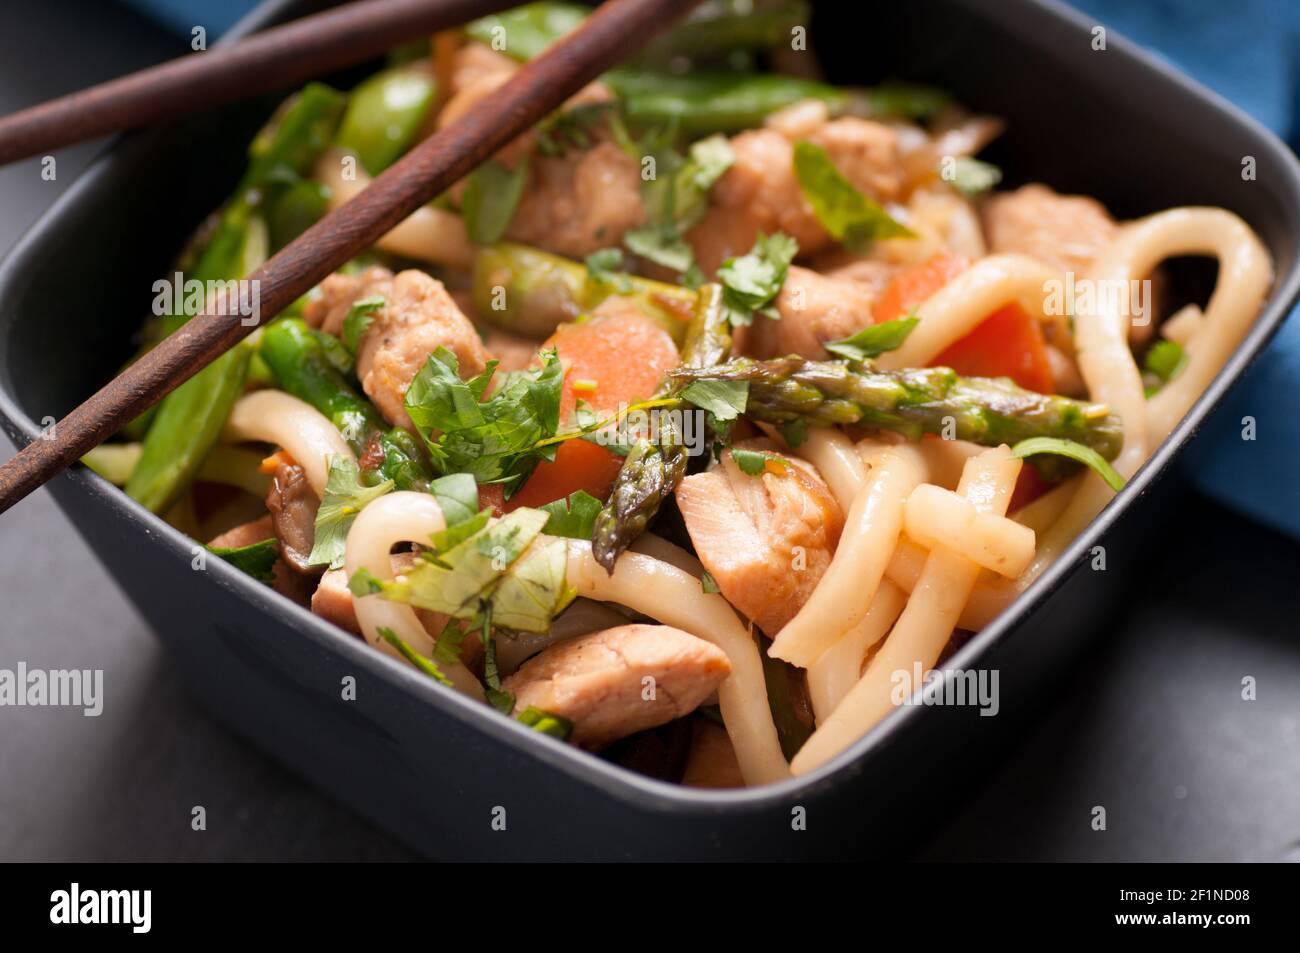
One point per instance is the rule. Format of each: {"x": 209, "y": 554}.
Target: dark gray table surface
{"x": 1151, "y": 724}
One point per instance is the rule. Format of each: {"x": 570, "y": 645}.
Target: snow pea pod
{"x": 531, "y": 292}
{"x": 384, "y": 115}
{"x": 705, "y": 102}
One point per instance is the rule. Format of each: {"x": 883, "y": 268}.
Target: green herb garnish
{"x": 852, "y": 218}
{"x": 492, "y": 193}
{"x": 344, "y": 499}
{"x": 873, "y": 340}
{"x": 256, "y": 559}
{"x": 751, "y": 282}
{"x": 360, "y": 316}
{"x": 1074, "y": 451}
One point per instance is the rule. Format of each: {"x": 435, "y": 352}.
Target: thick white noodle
{"x": 871, "y": 529}
{"x": 1245, "y": 274}
{"x": 656, "y": 547}
{"x": 926, "y": 624}
{"x": 401, "y": 517}
{"x": 272, "y": 416}
{"x": 674, "y": 597}
{"x": 838, "y": 461}
{"x": 833, "y": 676}
{"x": 958, "y": 307}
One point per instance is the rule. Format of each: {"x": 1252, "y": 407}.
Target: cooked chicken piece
{"x": 765, "y": 539}
{"x": 580, "y": 201}
{"x": 760, "y": 193}
{"x": 287, "y": 582}
{"x": 480, "y": 71}
{"x": 1063, "y": 231}
{"x": 847, "y": 266}
{"x": 473, "y": 61}
{"x": 712, "y": 761}
{"x": 799, "y": 120}
{"x": 865, "y": 152}
{"x": 814, "y": 309}
{"x": 332, "y": 601}
{"x": 293, "y": 505}
{"x": 417, "y": 318}
{"x": 613, "y": 683}
{"x": 329, "y": 308}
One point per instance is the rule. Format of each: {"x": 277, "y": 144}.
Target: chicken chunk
{"x": 765, "y": 539}
{"x": 417, "y": 318}
{"x": 1063, "y": 231}
{"x": 478, "y": 72}
{"x": 813, "y": 309}
{"x": 866, "y": 153}
{"x": 329, "y": 308}
{"x": 613, "y": 683}
{"x": 293, "y": 505}
{"x": 760, "y": 193}
{"x": 473, "y": 61}
{"x": 580, "y": 201}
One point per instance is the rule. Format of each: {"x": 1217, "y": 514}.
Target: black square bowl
{"x": 435, "y": 769}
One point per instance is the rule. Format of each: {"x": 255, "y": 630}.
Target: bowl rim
{"x": 615, "y": 781}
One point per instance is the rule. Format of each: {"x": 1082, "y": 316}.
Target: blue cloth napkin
{"x": 1249, "y": 52}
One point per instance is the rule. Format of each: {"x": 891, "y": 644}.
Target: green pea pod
{"x": 384, "y": 115}
{"x": 527, "y": 30}
{"x": 188, "y": 423}
{"x": 531, "y": 292}
{"x": 719, "y": 28}
{"x": 239, "y": 245}
{"x": 299, "y": 131}
{"x": 294, "y": 210}
{"x": 701, "y": 103}
{"x": 300, "y": 367}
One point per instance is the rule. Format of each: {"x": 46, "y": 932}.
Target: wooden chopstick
{"x": 614, "y": 30}
{"x": 272, "y": 59}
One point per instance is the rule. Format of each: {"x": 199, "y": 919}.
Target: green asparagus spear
{"x": 531, "y": 292}
{"x": 651, "y": 472}
{"x": 301, "y": 129}
{"x": 704, "y": 102}
{"x": 384, "y": 115}
{"x": 294, "y": 210}
{"x": 935, "y": 400}
{"x": 301, "y": 368}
